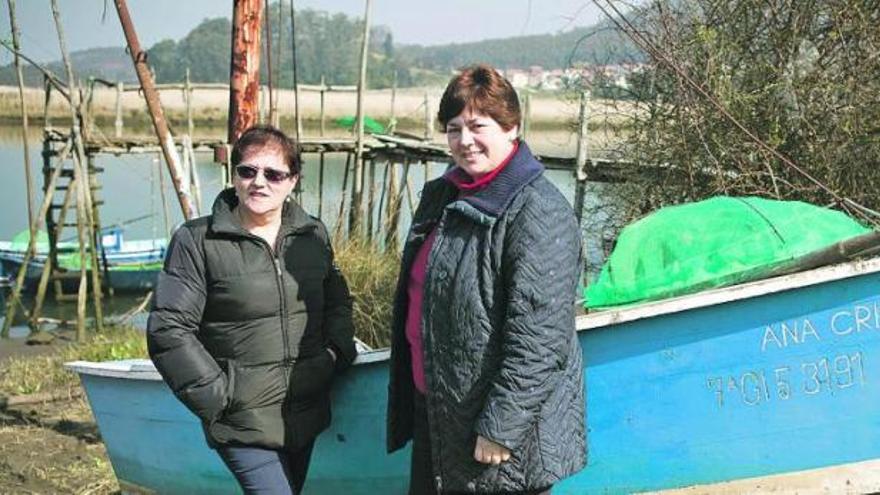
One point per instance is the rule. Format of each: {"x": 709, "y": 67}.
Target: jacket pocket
{"x": 252, "y": 387}
{"x": 312, "y": 376}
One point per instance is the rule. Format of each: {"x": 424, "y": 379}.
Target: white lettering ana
{"x": 809, "y": 329}
{"x": 770, "y": 336}
{"x": 790, "y": 332}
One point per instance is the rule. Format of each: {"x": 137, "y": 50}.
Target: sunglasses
{"x": 249, "y": 172}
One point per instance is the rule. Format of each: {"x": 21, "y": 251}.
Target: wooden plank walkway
{"x": 395, "y": 148}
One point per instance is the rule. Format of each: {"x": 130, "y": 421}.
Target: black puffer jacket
{"x": 501, "y": 356}
{"x": 240, "y": 333}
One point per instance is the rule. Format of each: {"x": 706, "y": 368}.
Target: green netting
{"x": 370, "y": 124}
{"x": 21, "y": 239}
{"x": 712, "y": 243}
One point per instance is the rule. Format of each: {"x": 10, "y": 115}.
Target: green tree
{"x": 162, "y": 57}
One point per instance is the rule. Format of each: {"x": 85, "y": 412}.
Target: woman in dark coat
{"x": 486, "y": 369}
{"x": 252, "y": 319}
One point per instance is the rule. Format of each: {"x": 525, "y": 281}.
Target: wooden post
{"x": 51, "y": 258}
{"x": 392, "y": 209}
{"x": 321, "y": 184}
{"x": 429, "y": 119}
{"x": 392, "y": 120}
{"x": 28, "y": 180}
{"x": 527, "y": 116}
{"x": 299, "y": 118}
{"x": 188, "y": 98}
{"x": 88, "y": 123}
{"x": 582, "y": 156}
{"x": 13, "y": 299}
{"x": 339, "y": 218}
{"x": 196, "y": 184}
{"x": 323, "y": 90}
{"x": 96, "y": 241}
{"x": 371, "y": 199}
{"x": 380, "y": 217}
{"x": 244, "y": 73}
{"x": 276, "y": 121}
{"x": 261, "y": 107}
{"x": 270, "y": 88}
{"x": 357, "y": 185}
{"x": 85, "y": 219}
{"x": 118, "y": 125}
{"x": 160, "y": 125}
{"x": 47, "y": 115}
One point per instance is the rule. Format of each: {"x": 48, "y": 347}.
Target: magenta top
{"x": 415, "y": 291}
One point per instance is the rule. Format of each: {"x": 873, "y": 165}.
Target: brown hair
{"x": 482, "y": 89}
{"x": 259, "y": 136}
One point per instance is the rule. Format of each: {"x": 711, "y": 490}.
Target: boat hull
{"x": 772, "y": 377}
{"x": 125, "y": 280}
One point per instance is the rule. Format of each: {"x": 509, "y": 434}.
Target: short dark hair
{"x": 259, "y": 136}
{"x": 482, "y": 89}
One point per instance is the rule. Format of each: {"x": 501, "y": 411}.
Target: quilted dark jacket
{"x": 240, "y": 333}
{"x": 498, "y": 324}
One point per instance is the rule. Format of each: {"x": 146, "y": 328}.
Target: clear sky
{"x": 426, "y": 22}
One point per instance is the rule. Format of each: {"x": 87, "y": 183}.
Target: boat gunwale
{"x": 144, "y": 369}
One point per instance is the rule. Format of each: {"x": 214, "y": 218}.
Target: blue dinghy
{"x": 775, "y": 376}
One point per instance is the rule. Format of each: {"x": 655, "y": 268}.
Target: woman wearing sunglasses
{"x": 486, "y": 370}
{"x": 251, "y": 319}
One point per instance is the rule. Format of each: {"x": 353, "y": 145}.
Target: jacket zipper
{"x": 279, "y": 281}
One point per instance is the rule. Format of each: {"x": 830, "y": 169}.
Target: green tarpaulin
{"x": 370, "y": 125}
{"x": 720, "y": 241}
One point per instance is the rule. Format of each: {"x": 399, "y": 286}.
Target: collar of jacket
{"x": 293, "y": 217}
{"x": 487, "y": 204}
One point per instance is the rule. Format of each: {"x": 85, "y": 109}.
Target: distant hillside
{"x": 592, "y": 45}
{"x": 111, "y": 63}
{"x": 328, "y": 46}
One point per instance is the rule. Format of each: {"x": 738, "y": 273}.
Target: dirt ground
{"x": 51, "y": 447}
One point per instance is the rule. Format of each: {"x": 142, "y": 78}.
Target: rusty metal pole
{"x": 244, "y": 69}
{"x": 160, "y": 125}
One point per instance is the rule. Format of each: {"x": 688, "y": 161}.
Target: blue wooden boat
{"x": 133, "y": 266}
{"x": 775, "y": 376}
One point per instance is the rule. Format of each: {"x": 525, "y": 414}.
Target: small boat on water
{"x": 132, "y": 266}
{"x": 779, "y": 375}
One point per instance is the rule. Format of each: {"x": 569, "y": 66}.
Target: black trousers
{"x": 421, "y": 474}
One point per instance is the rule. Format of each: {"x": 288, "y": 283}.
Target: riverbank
{"x": 548, "y": 111}
{"x": 49, "y": 442}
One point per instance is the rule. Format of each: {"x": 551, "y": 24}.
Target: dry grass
{"x": 21, "y": 376}
{"x": 372, "y": 278}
